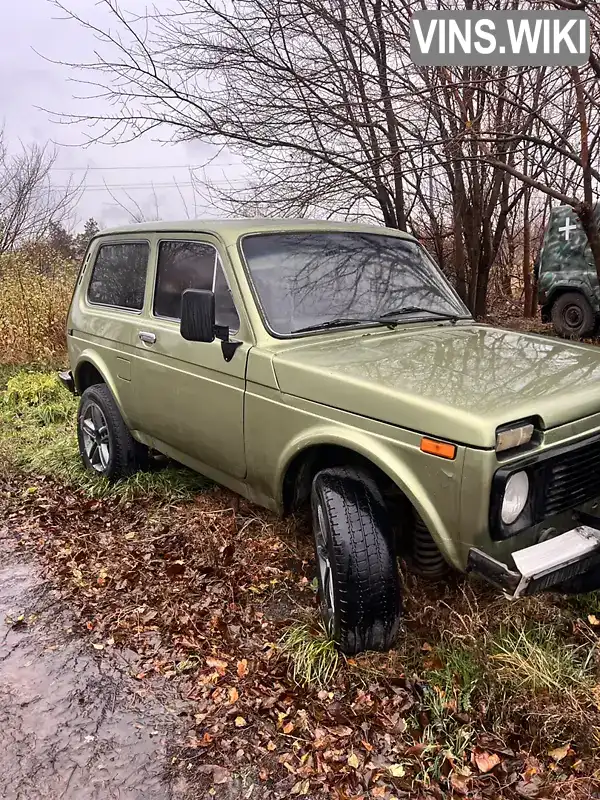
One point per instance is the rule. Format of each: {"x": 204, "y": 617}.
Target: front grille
{"x": 569, "y": 479}
{"x": 563, "y": 574}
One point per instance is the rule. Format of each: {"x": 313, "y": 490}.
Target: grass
{"x": 534, "y": 658}
{"x": 456, "y": 680}
{"x": 38, "y": 437}
{"x": 313, "y": 656}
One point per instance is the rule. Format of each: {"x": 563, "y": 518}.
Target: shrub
{"x": 36, "y": 291}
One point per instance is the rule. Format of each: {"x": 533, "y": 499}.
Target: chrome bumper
{"x": 542, "y": 565}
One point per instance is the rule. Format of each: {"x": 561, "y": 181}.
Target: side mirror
{"x": 197, "y": 315}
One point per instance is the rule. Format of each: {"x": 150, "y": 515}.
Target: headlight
{"x": 509, "y": 438}
{"x": 515, "y": 497}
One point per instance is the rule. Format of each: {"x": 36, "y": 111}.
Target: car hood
{"x": 455, "y": 382}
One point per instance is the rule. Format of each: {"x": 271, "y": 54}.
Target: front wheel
{"x": 572, "y": 316}
{"x": 359, "y": 589}
{"x": 105, "y": 444}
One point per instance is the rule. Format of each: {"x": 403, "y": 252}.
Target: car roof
{"x": 232, "y": 229}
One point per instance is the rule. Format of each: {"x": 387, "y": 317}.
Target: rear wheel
{"x": 105, "y": 443}
{"x": 357, "y": 573}
{"x": 572, "y": 316}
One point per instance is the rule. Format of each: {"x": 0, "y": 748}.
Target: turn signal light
{"x": 441, "y": 449}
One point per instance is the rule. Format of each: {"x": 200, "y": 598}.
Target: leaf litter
{"x": 201, "y": 594}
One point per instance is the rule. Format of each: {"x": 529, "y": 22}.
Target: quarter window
{"x": 119, "y": 275}
{"x": 192, "y": 265}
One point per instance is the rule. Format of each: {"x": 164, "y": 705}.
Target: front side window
{"x": 191, "y": 265}
{"x": 119, "y": 275}
{"x": 308, "y": 279}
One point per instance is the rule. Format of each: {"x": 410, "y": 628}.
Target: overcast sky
{"x": 27, "y": 82}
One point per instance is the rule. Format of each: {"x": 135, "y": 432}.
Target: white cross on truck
{"x": 567, "y": 228}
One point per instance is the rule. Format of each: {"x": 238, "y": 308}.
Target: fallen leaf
{"x": 378, "y": 791}
{"x": 219, "y": 774}
{"x": 396, "y": 770}
{"x": 593, "y": 620}
{"x": 98, "y": 646}
{"x": 368, "y": 747}
{"x": 459, "y": 783}
{"x": 353, "y": 761}
{"x": 288, "y": 727}
{"x": 271, "y": 747}
{"x": 416, "y": 749}
{"x": 233, "y": 695}
{"x": 529, "y": 789}
{"x": 340, "y": 730}
{"x": 485, "y": 761}
{"x": 129, "y": 536}
{"x": 218, "y": 664}
{"x": 226, "y": 554}
{"x": 240, "y": 722}
{"x": 175, "y": 568}
{"x": 302, "y": 787}
{"x": 263, "y": 774}
{"x": 560, "y": 752}
{"x": 242, "y": 668}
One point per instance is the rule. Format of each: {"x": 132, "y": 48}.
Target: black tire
{"x": 360, "y": 594}
{"x": 572, "y": 316}
{"x": 117, "y": 454}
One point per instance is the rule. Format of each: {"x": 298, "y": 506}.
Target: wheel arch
{"x": 92, "y": 369}
{"x": 561, "y": 289}
{"x": 303, "y": 459}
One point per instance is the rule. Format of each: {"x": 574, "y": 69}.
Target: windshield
{"x": 307, "y": 279}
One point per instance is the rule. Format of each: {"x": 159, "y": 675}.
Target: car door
{"x": 188, "y": 396}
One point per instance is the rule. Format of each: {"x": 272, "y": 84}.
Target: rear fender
{"x": 92, "y": 357}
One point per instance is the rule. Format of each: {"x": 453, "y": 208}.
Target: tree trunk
{"x": 459, "y": 256}
{"x": 527, "y": 269}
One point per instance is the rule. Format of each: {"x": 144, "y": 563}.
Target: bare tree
{"x": 29, "y": 204}
{"x": 332, "y": 118}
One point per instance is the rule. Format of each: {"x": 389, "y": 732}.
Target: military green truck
{"x": 568, "y": 290}
{"x": 332, "y": 366}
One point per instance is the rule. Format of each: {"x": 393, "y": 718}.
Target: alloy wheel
{"x": 96, "y": 441}
{"x": 325, "y": 571}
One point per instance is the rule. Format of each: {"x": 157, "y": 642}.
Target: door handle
{"x": 147, "y": 337}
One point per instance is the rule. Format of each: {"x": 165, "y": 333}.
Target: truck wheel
{"x": 359, "y": 589}
{"x": 105, "y": 444}
{"x": 572, "y": 316}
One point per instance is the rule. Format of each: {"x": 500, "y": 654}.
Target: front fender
{"x": 547, "y": 297}
{"x": 92, "y": 357}
{"x": 400, "y": 461}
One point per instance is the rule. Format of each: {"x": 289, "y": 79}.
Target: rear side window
{"x": 192, "y": 265}
{"x": 119, "y": 275}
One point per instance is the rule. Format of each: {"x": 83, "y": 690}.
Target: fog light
{"x": 515, "y": 497}
{"x": 513, "y": 437}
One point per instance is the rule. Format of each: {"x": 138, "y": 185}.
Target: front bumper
{"x": 543, "y": 565}
{"x": 68, "y": 381}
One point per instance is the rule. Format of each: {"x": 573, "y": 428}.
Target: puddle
{"x": 71, "y": 724}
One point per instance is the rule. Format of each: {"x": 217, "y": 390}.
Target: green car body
{"x": 566, "y": 266}
{"x": 261, "y": 416}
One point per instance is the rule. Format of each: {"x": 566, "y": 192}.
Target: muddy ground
{"x": 74, "y": 725}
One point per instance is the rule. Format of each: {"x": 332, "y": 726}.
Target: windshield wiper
{"x": 399, "y": 312}
{"x": 341, "y": 322}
